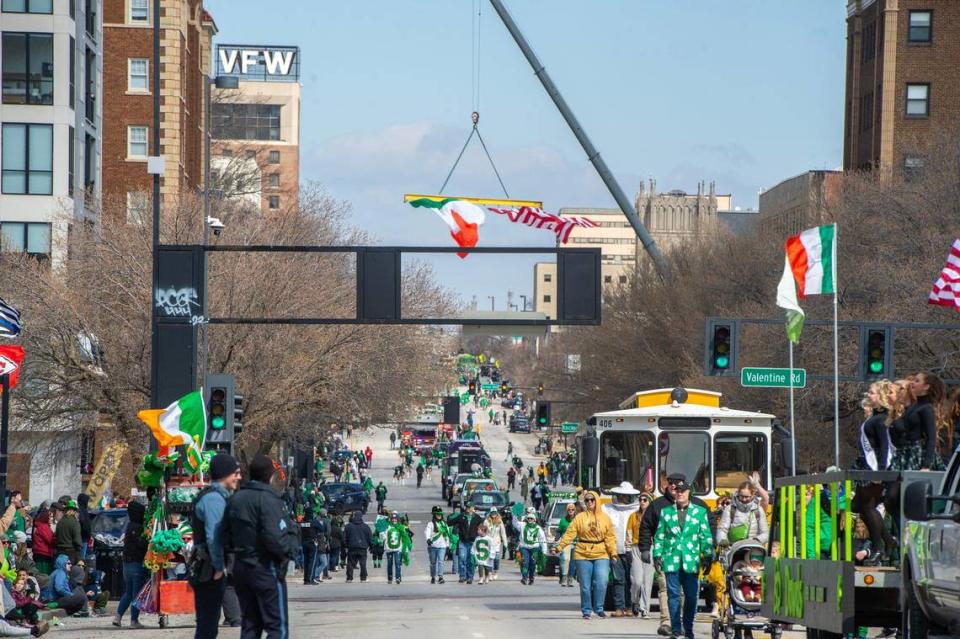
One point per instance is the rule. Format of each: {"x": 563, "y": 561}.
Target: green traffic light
{"x": 218, "y": 422}
{"x": 722, "y": 362}
{"x": 543, "y": 420}
{"x": 876, "y": 366}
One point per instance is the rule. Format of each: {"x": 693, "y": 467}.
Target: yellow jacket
{"x": 633, "y": 528}
{"x": 593, "y": 533}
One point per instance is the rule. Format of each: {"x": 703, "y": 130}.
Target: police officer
{"x": 264, "y": 539}
{"x": 207, "y": 559}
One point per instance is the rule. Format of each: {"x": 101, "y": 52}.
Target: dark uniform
{"x": 264, "y": 539}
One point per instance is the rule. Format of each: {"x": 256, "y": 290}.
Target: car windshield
{"x": 488, "y": 499}
{"x": 687, "y": 453}
{"x": 558, "y": 510}
{"x": 462, "y": 478}
{"x": 626, "y": 456}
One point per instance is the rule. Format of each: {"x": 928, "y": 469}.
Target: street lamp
{"x": 524, "y": 299}
{"x": 490, "y": 297}
{"x": 221, "y": 82}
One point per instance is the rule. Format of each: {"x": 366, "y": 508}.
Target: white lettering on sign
{"x": 177, "y": 302}
{"x": 7, "y": 365}
{"x": 275, "y": 61}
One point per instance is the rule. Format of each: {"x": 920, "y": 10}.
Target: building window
{"x": 918, "y": 100}
{"x": 622, "y": 279}
{"x": 71, "y": 159}
{"x": 866, "y": 112}
{"x": 274, "y": 157}
{"x": 548, "y": 277}
{"x": 28, "y": 6}
{"x": 137, "y": 76}
{"x": 32, "y": 238}
{"x": 138, "y": 207}
{"x": 27, "y": 68}
{"x": 89, "y": 162}
{"x": 921, "y": 27}
{"x": 251, "y": 154}
{"x": 868, "y": 42}
{"x": 72, "y": 85}
{"x": 136, "y": 143}
{"x": 228, "y": 153}
{"x": 140, "y": 11}
{"x": 27, "y": 159}
{"x": 91, "y": 19}
{"x": 273, "y": 201}
{"x": 608, "y": 279}
{"x": 90, "y": 72}
{"x": 546, "y": 299}
{"x": 274, "y": 180}
{"x": 913, "y": 166}
{"x": 246, "y": 121}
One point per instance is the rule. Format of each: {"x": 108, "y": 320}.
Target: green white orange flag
{"x": 809, "y": 269}
{"x": 464, "y": 219}
{"x": 182, "y": 423}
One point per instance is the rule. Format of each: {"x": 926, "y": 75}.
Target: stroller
{"x": 742, "y": 565}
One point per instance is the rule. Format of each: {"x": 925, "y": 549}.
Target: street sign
{"x": 772, "y": 377}
{"x": 489, "y": 386}
{"x": 568, "y": 427}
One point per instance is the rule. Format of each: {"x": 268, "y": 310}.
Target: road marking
{"x": 477, "y": 635}
{"x": 464, "y": 618}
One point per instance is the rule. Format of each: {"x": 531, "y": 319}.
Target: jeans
{"x": 134, "y": 576}
{"x": 436, "y": 561}
{"x": 496, "y": 560}
{"x": 593, "y": 583}
{"x": 528, "y": 562}
{"x": 466, "y": 565}
{"x": 309, "y": 560}
{"x": 394, "y": 560}
{"x": 689, "y": 583}
{"x": 455, "y": 562}
{"x": 320, "y": 564}
{"x": 621, "y": 581}
{"x": 208, "y": 598}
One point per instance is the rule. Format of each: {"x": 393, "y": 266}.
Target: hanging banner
{"x": 106, "y": 468}
{"x": 11, "y": 357}
{"x": 465, "y": 215}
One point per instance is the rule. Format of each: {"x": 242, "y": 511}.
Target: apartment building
{"x": 50, "y": 122}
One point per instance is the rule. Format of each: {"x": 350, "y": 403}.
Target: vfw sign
{"x": 259, "y": 63}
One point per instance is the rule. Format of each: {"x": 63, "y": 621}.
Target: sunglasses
{"x": 589, "y": 499}
{"x": 644, "y": 499}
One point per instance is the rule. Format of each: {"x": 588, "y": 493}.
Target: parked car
{"x": 931, "y": 559}
{"x": 519, "y": 423}
{"x": 345, "y": 497}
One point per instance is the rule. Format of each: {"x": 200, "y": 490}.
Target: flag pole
{"x": 793, "y": 437}
{"x": 836, "y": 359}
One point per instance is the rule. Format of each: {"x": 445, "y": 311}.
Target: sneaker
{"x": 440, "y": 580}
{"x": 349, "y": 581}
{"x": 398, "y": 581}
{"x": 363, "y": 580}
{"x": 688, "y": 634}
{"x": 618, "y": 613}
{"x": 523, "y": 581}
{"x": 136, "y": 625}
{"x": 40, "y": 628}
{"x": 602, "y": 614}
{"x": 433, "y": 580}
{"x": 664, "y": 630}
{"x": 469, "y": 581}
{"x": 586, "y": 617}
{"x": 117, "y": 621}
{"x": 530, "y": 581}
{"x": 462, "y": 580}
{"x": 644, "y": 614}
{"x": 389, "y": 581}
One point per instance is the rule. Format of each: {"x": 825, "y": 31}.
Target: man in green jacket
{"x": 67, "y": 537}
{"x": 682, "y": 546}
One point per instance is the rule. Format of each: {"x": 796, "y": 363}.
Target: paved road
{"x": 503, "y": 609}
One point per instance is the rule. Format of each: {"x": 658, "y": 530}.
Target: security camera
{"x": 215, "y": 225}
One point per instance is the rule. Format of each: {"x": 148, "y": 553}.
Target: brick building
{"x": 903, "y": 81}
{"x": 799, "y": 202}
{"x": 186, "y": 33}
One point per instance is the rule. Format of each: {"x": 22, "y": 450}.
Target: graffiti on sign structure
{"x": 177, "y": 302}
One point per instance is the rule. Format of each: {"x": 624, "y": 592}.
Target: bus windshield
{"x": 736, "y": 456}
{"x": 626, "y": 456}
{"x": 687, "y": 453}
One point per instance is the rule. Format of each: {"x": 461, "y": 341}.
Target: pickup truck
{"x": 931, "y": 559}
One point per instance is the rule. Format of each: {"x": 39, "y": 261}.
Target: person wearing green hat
{"x": 68, "y": 537}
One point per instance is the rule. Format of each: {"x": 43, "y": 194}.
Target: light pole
{"x": 523, "y": 298}
{"x": 221, "y": 82}
{"x": 490, "y": 297}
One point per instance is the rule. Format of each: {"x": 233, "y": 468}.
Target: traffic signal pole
{"x": 626, "y": 206}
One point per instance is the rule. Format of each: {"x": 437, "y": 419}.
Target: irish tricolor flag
{"x": 182, "y": 423}
{"x": 809, "y": 269}
{"x": 464, "y": 218}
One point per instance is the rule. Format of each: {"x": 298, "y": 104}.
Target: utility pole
{"x": 523, "y": 298}
{"x": 490, "y": 297}
{"x": 592, "y": 153}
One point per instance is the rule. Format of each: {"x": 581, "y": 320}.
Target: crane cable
{"x": 475, "y": 18}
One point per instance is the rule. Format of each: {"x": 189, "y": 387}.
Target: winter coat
{"x": 435, "y": 536}
{"x": 259, "y": 527}
{"x": 59, "y": 584}
{"x": 68, "y": 537}
{"x": 43, "y": 544}
{"x": 749, "y": 518}
{"x": 498, "y": 535}
{"x": 594, "y": 534}
{"x": 682, "y": 549}
{"x": 336, "y": 534}
{"x": 619, "y": 515}
{"x": 83, "y": 516}
{"x": 357, "y": 534}
{"x": 134, "y": 543}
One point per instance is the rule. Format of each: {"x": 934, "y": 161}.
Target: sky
{"x": 744, "y": 93}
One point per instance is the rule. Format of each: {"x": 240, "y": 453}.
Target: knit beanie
{"x": 222, "y": 465}
{"x": 261, "y": 469}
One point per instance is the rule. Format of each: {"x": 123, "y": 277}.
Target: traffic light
{"x": 877, "y": 356}
{"x": 224, "y": 409}
{"x": 721, "y": 352}
{"x": 543, "y": 414}
{"x": 540, "y": 388}
{"x": 472, "y": 388}
{"x": 504, "y": 388}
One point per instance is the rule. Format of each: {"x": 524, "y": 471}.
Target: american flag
{"x": 946, "y": 290}
{"x": 9, "y": 320}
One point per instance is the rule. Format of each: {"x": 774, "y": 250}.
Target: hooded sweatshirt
{"x": 134, "y": 543}
{"x": 619, "y": 515}
{"x": 531, "y": 535}
{"x": 594, "y": 534}
{"x": 745, "y": 520}
{"x": 59, "y": 584}
{"x": 437, "y": 533}
{"x": 43, "y": 536}
{"x": 357, "y": 534}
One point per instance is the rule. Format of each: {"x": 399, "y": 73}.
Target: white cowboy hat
{"x": 625, "y": 488}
